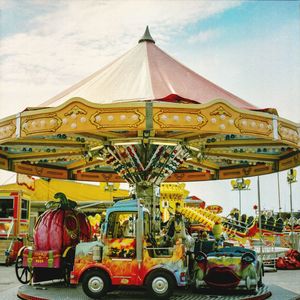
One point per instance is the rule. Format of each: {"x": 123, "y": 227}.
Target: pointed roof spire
{"x": 147, "y": 37}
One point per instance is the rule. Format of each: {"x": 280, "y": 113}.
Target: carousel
{"x": 146, "y": 119}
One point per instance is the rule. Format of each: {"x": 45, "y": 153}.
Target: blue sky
{"x": 250, "y": 48}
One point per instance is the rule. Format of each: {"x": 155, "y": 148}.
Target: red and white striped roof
{"x": 146, "y": 73}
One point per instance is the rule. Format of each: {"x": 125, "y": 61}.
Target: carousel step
{"x": 59, "y": 291}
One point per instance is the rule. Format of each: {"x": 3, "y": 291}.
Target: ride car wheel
{"x": 95, "y": 283}
{"x": 160, "y": 285}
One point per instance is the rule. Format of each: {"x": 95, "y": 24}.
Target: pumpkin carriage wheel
{"x": 23, "y": 273}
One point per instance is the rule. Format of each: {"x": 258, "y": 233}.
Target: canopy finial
{"x": 147, "y": 36}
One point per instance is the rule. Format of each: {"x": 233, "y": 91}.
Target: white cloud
{"x": 71, "y": 39}
{"x": 204, "y": 36}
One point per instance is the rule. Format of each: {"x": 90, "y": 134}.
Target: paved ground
{"x": 284, "y": 285}
{"x": 287, "y": 279}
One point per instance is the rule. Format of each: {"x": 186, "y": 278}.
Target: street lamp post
{"x": 259, "y": 216}
{"x": 240, "y": 184}
{"x": 291, "y": 178}
{"x": 278, "y": 191}
{"x": 240, "y": 200}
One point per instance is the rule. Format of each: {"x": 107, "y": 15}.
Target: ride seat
{"x": 205, "y": 247}
{"x": 270, "y": 223}
{"x": 244, "y": 218}
{"x": 279, "y": 225}
{"x": 250, "y": 221}
{"x": 263, "y": 221}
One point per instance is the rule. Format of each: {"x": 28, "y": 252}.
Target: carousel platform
{"x": 60, "y": 291}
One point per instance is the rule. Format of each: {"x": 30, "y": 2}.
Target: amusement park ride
{"x": 150, "y": 120}
{"x": 130, "y": 255}
{"x": 14, "y": 223}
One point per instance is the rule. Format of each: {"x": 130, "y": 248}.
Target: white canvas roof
{"x": 146, "y": 73}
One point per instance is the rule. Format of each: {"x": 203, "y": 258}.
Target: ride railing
{"x": 269, "y": 250}
{"x": 289, "y": 240}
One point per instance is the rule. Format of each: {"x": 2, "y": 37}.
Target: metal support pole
{"x": 140, "y": 234}
{"x": 240, "y": 201}
{"x": 278, "y": 190}
{"x": 292, "y": 215}
{"x": 259, "y": 216}
{"x": 147, "y": 193}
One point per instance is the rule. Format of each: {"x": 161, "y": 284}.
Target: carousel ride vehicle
{"x": 291, "y": 261}
{"x": 229, "y": 268}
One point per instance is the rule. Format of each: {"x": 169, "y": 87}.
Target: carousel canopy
{"x": 146, "y": 73}
{"x": 145, "y": 119}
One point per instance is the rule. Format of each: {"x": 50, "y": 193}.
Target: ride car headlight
{"x": 201, "y": 257}
{"x": 248, "y": 258}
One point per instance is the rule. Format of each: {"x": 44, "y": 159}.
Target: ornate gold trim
{"x": 3, "y": 163}
{"x": 245, "y": 171}
{"x": 220, "y": 110}
{"x": 76, "y": 110}
{"x": 175, "y": 119}
{"x": 40, "y": 171}
{"x": 189, "y": 176}
{"x": 126, "y": 118}
{"x": 288, "y": 133}
{"x": 34, "y": 125}
{"x": 99, "y": 177}
{"x": 253, "y": 125}
{"x": 7, "y": 130}
{"x": 290, "y": 162}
